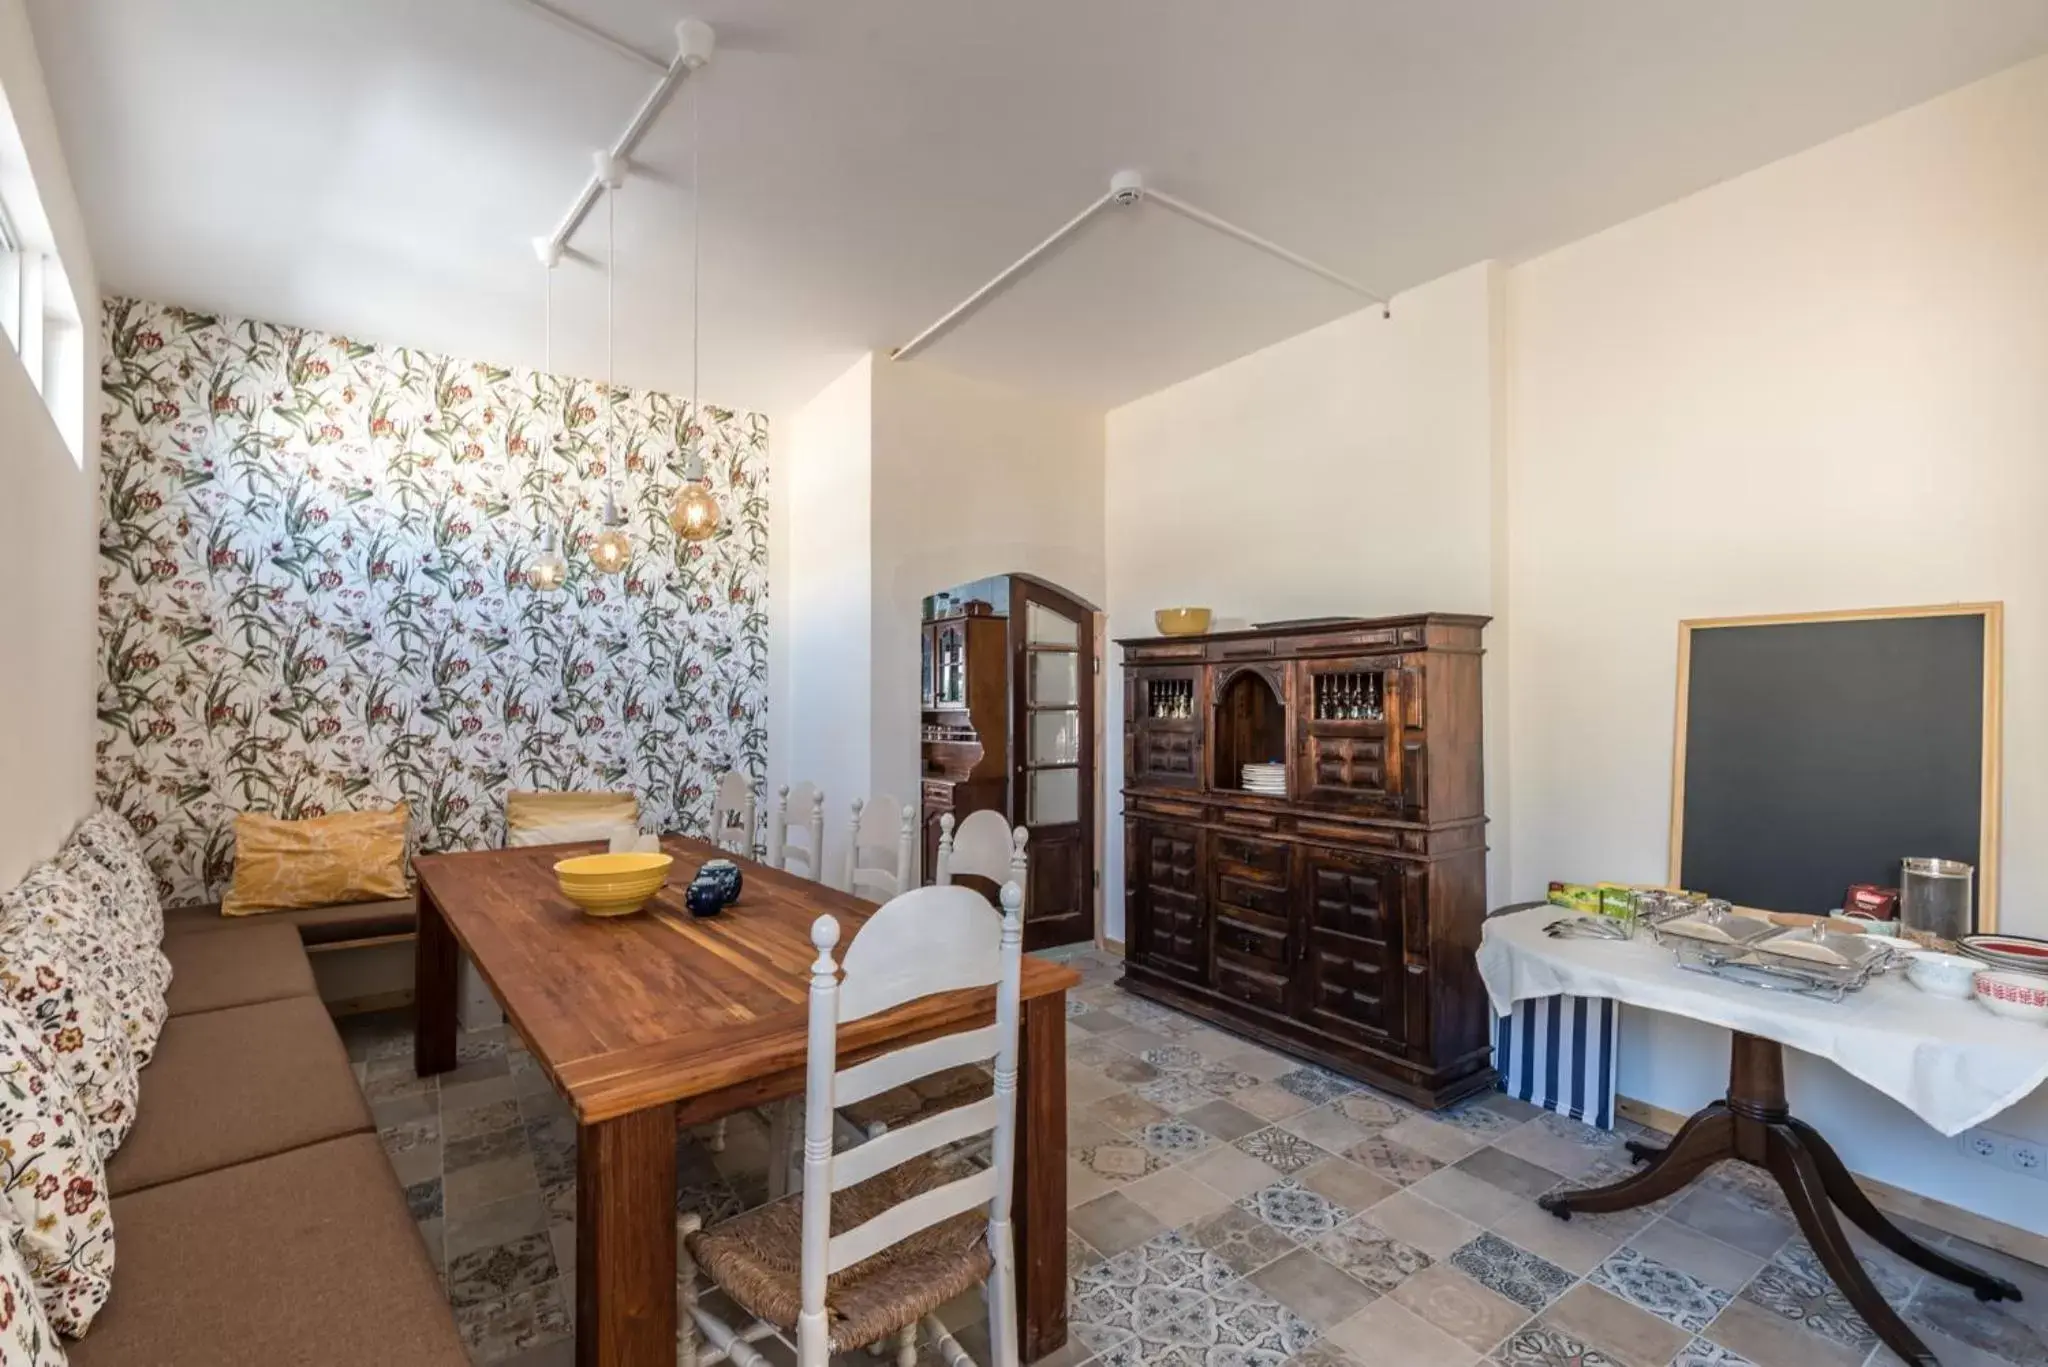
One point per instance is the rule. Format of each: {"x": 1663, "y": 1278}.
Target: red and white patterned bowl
{"x": 2021, "y": 996}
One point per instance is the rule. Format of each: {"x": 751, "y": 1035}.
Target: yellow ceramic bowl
{"x": 1181, "y": 621}
{"x": 612, "y": 884}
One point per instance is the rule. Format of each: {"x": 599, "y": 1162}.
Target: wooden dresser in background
{"x": 1337, "y": 920}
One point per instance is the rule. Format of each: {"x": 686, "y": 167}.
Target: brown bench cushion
{"x": 213, "y": 969}
{"x": 308, "y": 1258}
{"x": 316, "y": 925}
{"x": 229, "y": 1086}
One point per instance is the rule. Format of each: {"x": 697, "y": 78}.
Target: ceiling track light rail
{"x": 695, "y": 42}
{"x": 1127, "y": 189}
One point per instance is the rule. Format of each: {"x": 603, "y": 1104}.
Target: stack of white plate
{"x": 1269, "y": 779}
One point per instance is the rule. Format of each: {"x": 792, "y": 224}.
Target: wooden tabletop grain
{"x": 656, "y": 1007}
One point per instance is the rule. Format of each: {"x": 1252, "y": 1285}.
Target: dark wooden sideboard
{"x": 1337, "y": 920}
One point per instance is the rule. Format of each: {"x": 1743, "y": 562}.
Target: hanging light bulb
{"x": 547, "y": 571}
{"x": 614, "y": 545}
{"x": 695, "y": 515}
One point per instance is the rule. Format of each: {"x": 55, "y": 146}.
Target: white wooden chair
{"x": 732, "y": 815}
{"x": 985, "y": 846}
{"x": 897, "y": 1231}
{"x": 881, "y": 849}
{"x": 798, "y": 810}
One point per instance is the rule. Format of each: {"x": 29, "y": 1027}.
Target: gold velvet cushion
{"x": 319, "y": 862}
{"x": 529, "y": 814}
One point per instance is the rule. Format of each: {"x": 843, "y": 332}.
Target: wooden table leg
{"x": 437, "y": 972}
{"x": 1040, "y": 1203}
{"x": 626, "y": 1240}
{"x": 1755, "y": 1125}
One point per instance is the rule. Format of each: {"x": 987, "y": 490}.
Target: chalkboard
{"x": 1817, "y": 752}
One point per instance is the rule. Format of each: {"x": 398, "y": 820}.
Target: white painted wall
{"x": 970, "y": 480}
{"x": 48, "y": 523}
{"x": 1820, "y": 385}
{"x": 1348, "y": 470}
{"x": 825, "y": 462}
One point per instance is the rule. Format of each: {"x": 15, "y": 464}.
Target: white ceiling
{"x": 379, "y": 167}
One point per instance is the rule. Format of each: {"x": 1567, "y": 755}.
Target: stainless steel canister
{"x": 1936, "y": 896}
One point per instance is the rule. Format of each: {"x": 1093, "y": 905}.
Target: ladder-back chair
{"x": 886, "y": 1232}
{"x": 798, "y": 811}
{"x": 732, "y": 815}
{"x": 881, "y": 849}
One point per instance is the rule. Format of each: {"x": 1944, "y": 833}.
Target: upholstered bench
{"x": 307, "y": 1257}
{"x": 357, "y": 924}
{"x": 258, "y": 1219}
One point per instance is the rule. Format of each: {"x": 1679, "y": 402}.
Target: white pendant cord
{"x": 695, "y": 461}
{"x": 611, "y": 390}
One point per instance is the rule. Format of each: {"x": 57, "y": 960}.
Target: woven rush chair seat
{"x": 927, "y": 1096}
{"x": 757, "y": 1258}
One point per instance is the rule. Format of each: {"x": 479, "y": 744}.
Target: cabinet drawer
{"x": 1263, "y": 898}
{"x": 1380, "y": 836}
{"x": 1245, "y": 940}
{"x": 1164, "y": 650}
{"x": 1256, "y": 821}
{"x": 1345, "y": 642}
{"x": 1266, "y": 858}
{"x": 1241, "y": 650}
{"x": 1267, "y": 991}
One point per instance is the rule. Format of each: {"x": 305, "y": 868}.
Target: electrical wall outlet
{"x": 2028, "y": 1157}
{"x": 1981, "y": 1145}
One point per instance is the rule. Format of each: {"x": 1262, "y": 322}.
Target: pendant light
{"x": 695, "y": 515}
{"x": 547, "y": 571}
{"x": 613, "y": 547}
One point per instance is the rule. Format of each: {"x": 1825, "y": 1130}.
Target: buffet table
{"x": 1950, "y": 1062}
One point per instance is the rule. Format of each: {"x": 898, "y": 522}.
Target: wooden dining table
{"x": 659, "y": 1019}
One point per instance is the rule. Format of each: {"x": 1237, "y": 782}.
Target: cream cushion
{"x": 55, "y": 1187}
{"x": 26, "y": 1339}
{"x": 527, "y": 812}
{"x": 56, "y": 907}
{"x": 42, "y": 981}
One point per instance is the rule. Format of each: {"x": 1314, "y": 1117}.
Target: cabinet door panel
{"x": 1168, "y": 897}
{"x": 1163, "y": 715}
{"x": 1351, "y": 976}
{"x": 1349, "y": 740}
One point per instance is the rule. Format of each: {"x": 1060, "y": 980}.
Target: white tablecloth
{"x": 1950, "y": 1062}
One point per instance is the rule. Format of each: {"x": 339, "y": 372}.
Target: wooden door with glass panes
{"x": 1349, "y": 731}
{"x": 1053, "y": 695}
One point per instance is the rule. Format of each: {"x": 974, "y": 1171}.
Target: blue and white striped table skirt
{"x": 1560, "y": 1053}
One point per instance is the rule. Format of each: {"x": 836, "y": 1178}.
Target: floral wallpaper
{"x": 312, "y": 594}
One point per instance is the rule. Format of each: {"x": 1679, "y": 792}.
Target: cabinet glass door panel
{"x": 1044, "y": 627}
{"x": 1055, "y": 677}
{"x": 1056, "y": 736}
{"x": 1055, "y": 797}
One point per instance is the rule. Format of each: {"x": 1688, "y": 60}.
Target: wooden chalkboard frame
{"x": 1993, "y": 726}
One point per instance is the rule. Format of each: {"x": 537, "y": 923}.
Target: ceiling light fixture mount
{"x": 1128, "y": 190}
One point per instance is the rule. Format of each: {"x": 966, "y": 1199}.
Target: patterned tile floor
{"x": 1232, "y": 1206}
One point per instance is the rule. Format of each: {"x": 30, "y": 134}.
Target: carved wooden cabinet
{"x": 1336, "y": 918}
